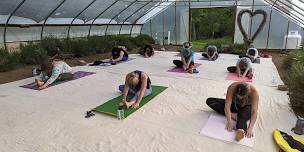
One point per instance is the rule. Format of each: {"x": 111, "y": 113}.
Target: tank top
{"x": 137, "y": 87}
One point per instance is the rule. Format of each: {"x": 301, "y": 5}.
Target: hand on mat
{"x": 229, "y": 126}
{"x": 249, "y": 133}
{"x": 135, "y": 105}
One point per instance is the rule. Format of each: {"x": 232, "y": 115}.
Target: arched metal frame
{"x": 142, "y": 16}
{"x": 291, "y": 16}
{"x": 133, "y": 14}
{"x": 69, "y": 29}
{"x": 7, "y": 21}
{"x": 118, "y": 15}
{"x": 99, "y": 16}
{"x": 45, "y": 20}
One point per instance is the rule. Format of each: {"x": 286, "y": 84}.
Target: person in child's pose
{"x": 137, "y": 83}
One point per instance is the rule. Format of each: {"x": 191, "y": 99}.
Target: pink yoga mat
{"x": 181, "y": 70}
{"x": 77, "y": 75}
{"x": 215, "y": 128}
{"x": 234, "y": 77}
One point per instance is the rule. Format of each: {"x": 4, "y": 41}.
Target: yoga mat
{"x": 77, "y": 75}
{"x": 181, "y": 70}
{"x": 109, "y": 64}
{"x": 234, "y": 77}
{"x": 203, "y": 58}
{"x": 111, "y": 107}
{"x": 215, "y": 128}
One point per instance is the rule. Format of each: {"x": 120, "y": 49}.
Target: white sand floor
{"x": 52, "y": 120}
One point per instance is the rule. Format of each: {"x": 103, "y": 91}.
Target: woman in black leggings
{"x": 241, "y": 102}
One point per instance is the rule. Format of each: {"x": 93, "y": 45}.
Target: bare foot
{"x": 39, "y": 83}
{"x": 240, "y": 134}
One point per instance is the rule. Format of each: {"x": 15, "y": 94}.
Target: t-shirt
{"x": 59, "y": 67}
{"x": 191, "y": 54}
{"x": 246, "y": 59}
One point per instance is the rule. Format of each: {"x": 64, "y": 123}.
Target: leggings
{"x": 243, "y": 113}
{"x": 232, "y": 69}
{"x": 205, "y": 55}
{"x": 179, "y": 63}
{"x": 135, "y": 93}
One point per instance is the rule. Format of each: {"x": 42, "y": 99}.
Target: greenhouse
{"x": 152, "y": 75}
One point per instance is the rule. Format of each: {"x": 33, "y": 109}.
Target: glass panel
{"x": 98, "y": 30}
{"x": 71, "y": 8}
{"x": 238, "y": 37}
{"x": 261, "y": 39}
{"x": 169, "y": 34}
{"x": 8, "y": 6}
{"x": 98, "y": 7}
{"x": 278, "y": 29}
{"x": 141, "y": 12}
{"x": 22, "y": 34}
{"x": 146, "y": 29}
{"x": 125, "y": 29}
{"x": 182, "y": 21}
{"x": 136, "y": 30}
{"x": 115, "y": 10}
{"x": 79, "y": 31}
{"x": 113, "y": 30}
{"x": 37, "y": 10}
{"x": 157, "y": 28}
{"x": 1, "y": 34}
{"x": 129, "y": 11}
{"x": 55, "y": 31}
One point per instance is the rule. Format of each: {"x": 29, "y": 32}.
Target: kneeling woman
{"x": 241, "y": 104}
{"x": 211, "y": 53}
{"x": 52, "y": 72}
{"x": 119, "y": 54}
{"x": 137, "y": 83}
{"x": 243, "y": 68}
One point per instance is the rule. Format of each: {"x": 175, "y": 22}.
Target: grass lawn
{"x": 199, "y": 44}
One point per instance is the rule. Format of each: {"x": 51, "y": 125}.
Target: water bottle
{"x": 120, "y": 113}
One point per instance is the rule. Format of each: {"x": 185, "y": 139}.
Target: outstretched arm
{"x": 143, "y": 88}
{"x": 228, "y": 103}
{"x": 254, "y": 112}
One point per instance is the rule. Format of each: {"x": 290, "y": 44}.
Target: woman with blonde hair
{"x": 137, "y": 83}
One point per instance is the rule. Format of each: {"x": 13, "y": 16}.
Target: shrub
{"x": 142, "y": 40}
{"x": 32, "y": 53}
{"x": 80, "y": 47}
{"x": 296, "y": 56}
{"x": 50, "y": 44}
{"x": 295, "y": 81}
{"x": 8, "y": 61}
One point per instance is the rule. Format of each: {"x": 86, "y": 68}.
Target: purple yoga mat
{"x": 234, "y": 77}
{"x": 77, "y": 75}
{"x": 181, "y": 70}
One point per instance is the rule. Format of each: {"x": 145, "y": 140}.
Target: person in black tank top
{"x": 137, "y": 83}
{"x": 119, "y": 54}
{"x": 147, "y": 51}
{"x": 241, "y": 103}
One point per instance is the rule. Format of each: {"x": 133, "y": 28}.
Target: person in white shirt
{"x": 52, "y": 72}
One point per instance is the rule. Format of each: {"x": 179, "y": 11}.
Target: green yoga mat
{"x": 111, "y": 107}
